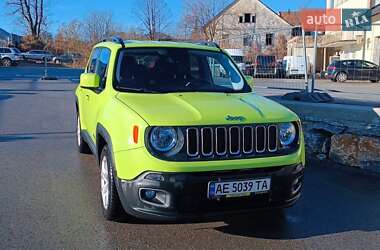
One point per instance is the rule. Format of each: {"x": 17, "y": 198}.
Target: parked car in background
{"x": 295, "y": 66}
{"x": 9, "y": 56}
{"x": 67, "y": 58}
{"x": 238, "y": 56}
{"x": 343, "y": 70}
{"x": 38, "y": 55}
{"x": 265, "y": 66}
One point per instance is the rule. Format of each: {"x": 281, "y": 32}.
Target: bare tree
{"x": 32, "y": 14}
{"x": 154, "y": 16}
{"x": 202, "y": 18}
{"x": 281, "y": 46}
{"x": 98, "y": 26}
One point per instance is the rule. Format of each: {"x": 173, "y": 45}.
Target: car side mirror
{"x": 250, "y": 81}
{"x": 89, "y": 80}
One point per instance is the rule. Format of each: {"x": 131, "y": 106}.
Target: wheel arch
{"x": 103, "y": 138}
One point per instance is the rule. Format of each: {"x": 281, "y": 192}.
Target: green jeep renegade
{"x": 179, "y": 133}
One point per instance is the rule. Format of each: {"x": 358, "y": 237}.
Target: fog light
{"x": 154, "y": 197}
{"x": 149, "y": 194}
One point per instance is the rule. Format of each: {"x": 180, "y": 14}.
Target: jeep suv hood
{"x": 177, "y": 109}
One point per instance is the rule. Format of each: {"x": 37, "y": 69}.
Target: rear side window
{"x": 7, "y": 51}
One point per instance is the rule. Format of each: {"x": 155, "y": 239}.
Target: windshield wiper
{"x": 141, "y": 90}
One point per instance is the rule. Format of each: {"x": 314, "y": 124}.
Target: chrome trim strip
{"x": 265, "y": 140}
{"x": 252, "y": 147}
{"x": 187, "y": 142}
{"x": 225, "y": 141}
{"x": 275, "y": 148}
{"x": 212, "y": 142}
{"x": 239, "y": 143}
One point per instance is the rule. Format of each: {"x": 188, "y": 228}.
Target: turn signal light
{"x": 135, "y": 134}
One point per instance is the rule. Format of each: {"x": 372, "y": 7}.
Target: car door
{"x": 372, "y": 70}
{"x": 85, "y": 93}
{"x": 350, "y": 67}
{"x": 363, "y": 72}
{"x": 96, "y": 97}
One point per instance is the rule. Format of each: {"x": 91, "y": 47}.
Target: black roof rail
{"x": 115, "y": 39}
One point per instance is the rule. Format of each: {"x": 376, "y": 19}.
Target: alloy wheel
{"x": 104, "y": 185}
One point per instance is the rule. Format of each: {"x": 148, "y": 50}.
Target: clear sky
{"x": 63, "y": 11}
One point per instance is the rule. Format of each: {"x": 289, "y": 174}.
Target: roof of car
{"x": 164, "y": 44}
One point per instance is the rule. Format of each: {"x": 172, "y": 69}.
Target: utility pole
{"x": 364, "y": 44}
{"x": 314, "y": 62}
{"x": 305, "y": 60}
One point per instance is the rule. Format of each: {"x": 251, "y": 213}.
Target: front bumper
{"x": 187, "y": 193}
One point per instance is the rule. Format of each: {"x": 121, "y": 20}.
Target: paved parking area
{"x": 361, "y": 93}
{"x": 350, "y": 92}
{"x": 50, "y": 194}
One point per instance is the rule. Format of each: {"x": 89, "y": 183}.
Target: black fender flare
{"x": 102, "y": 131}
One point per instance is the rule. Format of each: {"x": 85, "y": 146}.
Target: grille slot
{"x": 272, "y": 138}
{"x": 234, "y": 141}
{"x": 192, "y": 142}
{"x": 260, "y": 139}
{"x": 207, "y": 142}
{"x": 221, "y": 141}
{"x": 248, "y": 140}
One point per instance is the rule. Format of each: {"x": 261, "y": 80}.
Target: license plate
{"x": 238, "y": 188}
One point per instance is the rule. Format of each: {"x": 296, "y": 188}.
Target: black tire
{"x": 6, "y": 62}
{"x": 374, "y": 81}
{"x": 83, "y": 147}
{"x": 110, "y": 201}
{"x": 341, "y": 77}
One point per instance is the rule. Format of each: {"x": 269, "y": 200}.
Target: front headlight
{"x": 288, "y": 134}
{"x": 163, "y": 139}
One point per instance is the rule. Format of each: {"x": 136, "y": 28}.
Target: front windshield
{"x": 164, "y": 70}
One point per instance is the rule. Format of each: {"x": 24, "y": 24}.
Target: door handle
{"x": 87, "y": 97}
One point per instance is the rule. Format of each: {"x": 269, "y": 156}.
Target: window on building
{"x": 247, "y": 18}
{"x": 246, "y": 42}
{"x": 253, "y": 19}
{"x": 240, "y": 19}
{"x": 269, "y": 39}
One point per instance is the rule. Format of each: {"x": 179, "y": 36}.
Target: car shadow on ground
{"x": 333, "y": 201}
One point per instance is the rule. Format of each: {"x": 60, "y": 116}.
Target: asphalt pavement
{"x": 50, "y": 193}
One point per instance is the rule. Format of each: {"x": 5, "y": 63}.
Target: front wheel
{"x": 7, "y": 62}
{"x": 374, "y": 81}
{"x": 112, "y": 208}
{"x": 341, "y": 77}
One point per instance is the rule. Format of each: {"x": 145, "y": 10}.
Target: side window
{"x": 369, "y": 65}
{"x": 7, "y": 51}
{"x": 1, "y": 50}
{"x": 102, "y": 66}
{"x": 359, "y": 64}
{"x": 92, "y": 63}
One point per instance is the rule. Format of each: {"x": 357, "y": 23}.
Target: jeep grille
{"x": 208, "y": 142}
